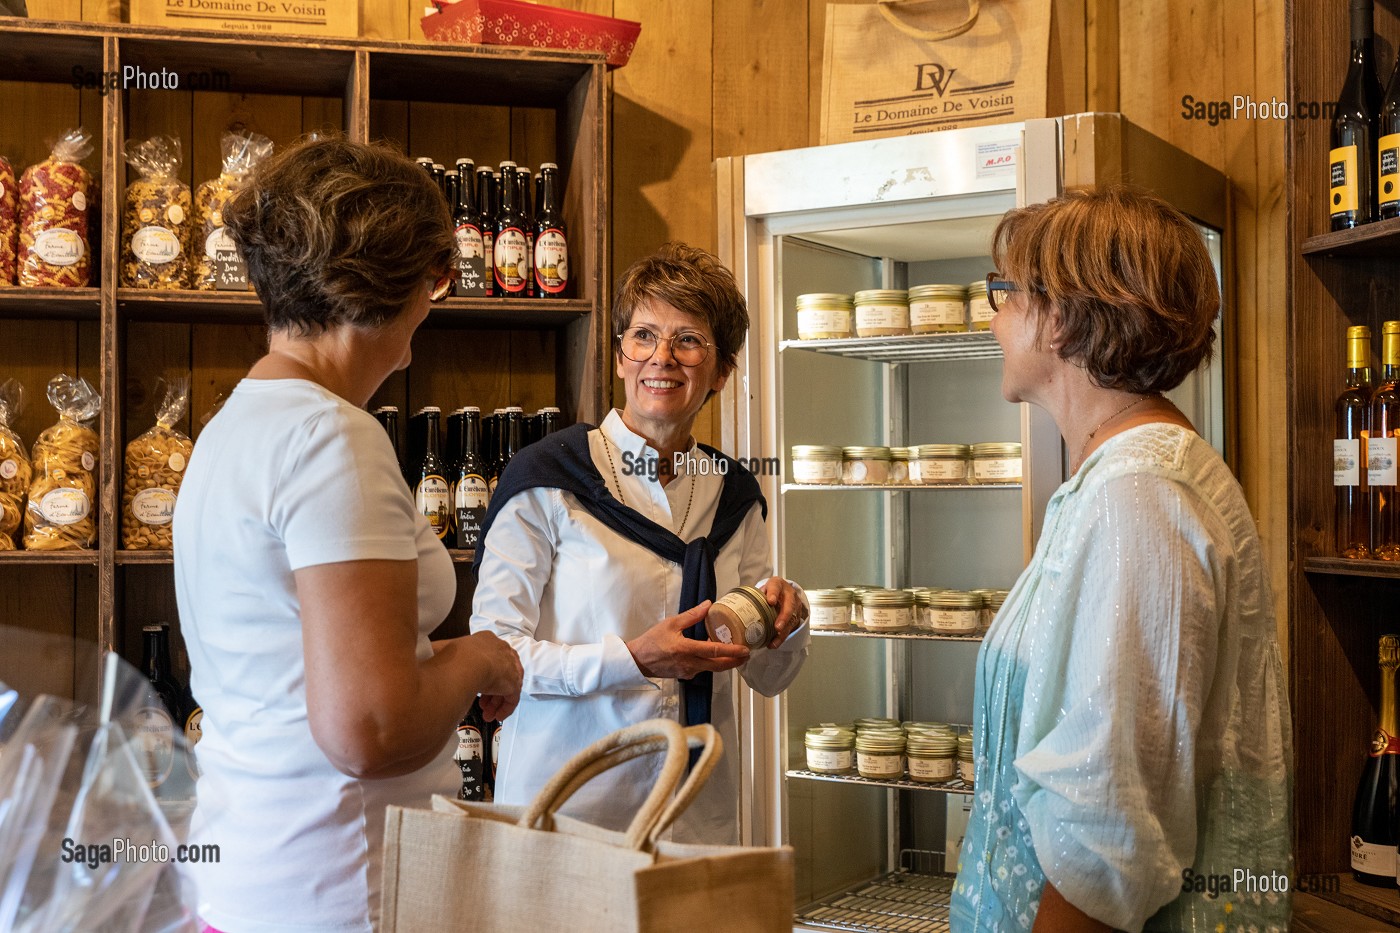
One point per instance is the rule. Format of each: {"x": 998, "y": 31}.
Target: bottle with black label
{"x": 1351, "y": 160}
{"x": 471, "y": 245}
{"x": 388, "y": 415}
{"x": 1388, "y": 149}
{"x": 471, "y": 493}
{"x": 551, "y": 237}
{"x": 156, "y": 724}
{"x": 431, "y": 495}
{"x": 1374, "y": 810}
{"x": 471, "y": 753}
{"x": 1353, "y": 415}
{"x": 486, "y": 205}
{"x": 511, "y": 245}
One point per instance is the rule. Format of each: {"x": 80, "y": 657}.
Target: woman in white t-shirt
{"x": 307, "y": 582}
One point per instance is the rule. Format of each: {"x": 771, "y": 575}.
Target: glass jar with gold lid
{"x": 979, "y": 309}
{"x": 865, "y": 466}
{"x": 996, "y": 463}
{"x": 966, "y": 767}
{"x": 880, "y": 753}
{"x": 831, "y": 609}
{"x": 943, "y": 464}
{"x": 816, "y": 464}
{"x": 882, "y": 312}
{"x": 899, "y": 466}
{"x": 937, "y": 309}
{"x": 887, "y": 611}
{"x": 953, "y": 612}
{"x": 931, "y": 756}
{"x": 868, "y": 723}
{"x": 825, "y": 316}
{"x": 830, "y": 749}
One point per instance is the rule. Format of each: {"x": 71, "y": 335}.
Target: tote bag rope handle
{"x": 886, "y": 8}
{"x": 652, "y": 736}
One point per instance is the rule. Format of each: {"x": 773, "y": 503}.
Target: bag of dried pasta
{"x": 54, "y": 197}
{"x": 155, "y": 223}
{"x": 213, "y": 248}
{"x": 9, "y": 222}
{"x": 155, "y": 464}
{"x": 62, "y": 509}
{"x": 14, "y": 465}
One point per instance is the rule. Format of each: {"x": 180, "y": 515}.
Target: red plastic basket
{"x": 533, "y": 25}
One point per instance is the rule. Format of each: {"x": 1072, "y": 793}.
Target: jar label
{"x": 821, "y": 321}
{"x": 886, "y": 619}
{"x": 830, "y": 617}
{"x": 966, "y": 771}
{"x": 1380, "y": 461}
{"x": 931, "y": 769}
{"x": 816, "y": 471}
{"x": 827, "y": 759}
{"x": 431, "y": 498}
{"x": 551, "y": 261}
{"x": 952, "y": 620}
{"x": 943, "y": 470}
{"x": 64, "y": 506}
{"x": 1003, "y": 471}
{"x": 155, "y": 746}
{"x": 979, "y": 311}
{"x": 58, "y": 247}
{"x": 865, "y": 472}
{"x": 875, "y": 317}
{"x": 880, "y": 765}
{"x": 1372, "y": 859}
{"x": 155, "y": 506}
{"x": 155, "y": 245}
{"x": 928, "y": 313}
{"x": 1346, "y": 462}
{"x": 755, "y": 625}
{"x": 899, "y": 471}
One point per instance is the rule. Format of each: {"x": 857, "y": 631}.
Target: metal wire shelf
{"x": 908, "y": 901}
{"x": 919, "y": 348}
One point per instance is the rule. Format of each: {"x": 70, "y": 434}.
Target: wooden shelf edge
{"x": 1381, "y": 238}
{"x": 1341, "y": 567}
{"x": 1345, "y": 891}
{"x": 127, "y": 558}
{"x": 73, "y": 558}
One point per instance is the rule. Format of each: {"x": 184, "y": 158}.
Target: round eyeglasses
{"x": 687, "y": 348}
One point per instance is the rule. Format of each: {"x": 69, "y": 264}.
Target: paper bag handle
{"x": 886, "y": 8}
{"x": 654, "y": 735}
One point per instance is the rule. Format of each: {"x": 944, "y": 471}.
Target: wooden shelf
{"x": 148, "y": 558}
{"x": 50, "y": 558}
{"x": 1377, "y": 903}
{"x": 72, "y": 304}
{"x": 1339, "y": 566}
{"x": 814, "y": 487}
{"x": 954, "y": 786}
{"x": 460, "y": 556}
{"x": 913, "y": 636}
{"x": 919, "y": 348}
{"x": 1380, "y": 239}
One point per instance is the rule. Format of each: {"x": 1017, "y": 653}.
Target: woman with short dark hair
{"x": 306, "y": 580}
{"x": 1131, "y": 718}
{"x": 604, "y": 548}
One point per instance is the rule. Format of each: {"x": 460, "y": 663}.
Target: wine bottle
{"x": 1353, "y": 411}
{"x": 1388, "y": 149}
{"x": 430, "y": 490}
{"x": 471, "y": 753}
{"x": 156, "y": 721}
{"x": 1351, "y": 161}
{"x": 1381, "y": 442}
{"x": 1373, "y": 814}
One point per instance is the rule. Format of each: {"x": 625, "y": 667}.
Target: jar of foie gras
{"x": 830, "y": 749}
{"x": 742, "y": 617}
{"x": 937, "y": 309}
{"x": 882, "y": 312}
{"x": 831, "y": 609}
{"x": 824, "y": 316}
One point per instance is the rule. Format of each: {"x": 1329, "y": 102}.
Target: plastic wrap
{"x": 54, "y": 198}
{"x": 241, "y": 155}
{"x": 156, "y": 222}
{"x": 155, "y": 464}
{"x": 9, "y": 222}
{"x": 14, "y": 465}
{"x": 62, "y": 509}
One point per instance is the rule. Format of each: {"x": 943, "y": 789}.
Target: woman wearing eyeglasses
{"x": 307, "y": 583}
{"x": 600, "y": 559}
{"x": 1132, "y": 735}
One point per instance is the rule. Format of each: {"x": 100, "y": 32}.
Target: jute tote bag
{"x": 499, "y": 869}
{"x": 899, "y": 67}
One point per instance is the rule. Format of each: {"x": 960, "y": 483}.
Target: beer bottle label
{"x": 510, "y": 264}
{"x": 495, "y": 748}
{"x": 471, "y": 262}
{"x": 194, "y": 731}
{"x": 431, "y": 497}
{"x": 155, "y": 746}
{"x": 1389, "y": 187}
{"x": 1342, "y": 165}
{"x": 470, "y": 758}
{"x": 473, "y": 496}
{"x": 551, "y": 261}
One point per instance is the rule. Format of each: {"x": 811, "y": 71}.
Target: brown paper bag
{"x": 900, "y": 67}
{"x": 500, "y": 869}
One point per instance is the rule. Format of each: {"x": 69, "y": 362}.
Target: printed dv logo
{"x": 932, "y": 76}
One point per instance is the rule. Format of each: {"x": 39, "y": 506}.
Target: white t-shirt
{"x": 286, "y": 476}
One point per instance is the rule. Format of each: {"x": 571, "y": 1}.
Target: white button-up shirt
{"x": 567, "y": 593}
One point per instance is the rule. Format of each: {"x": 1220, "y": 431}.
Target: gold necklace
{"x": 1084, "y": 449}
{"x": 621, "y": 497}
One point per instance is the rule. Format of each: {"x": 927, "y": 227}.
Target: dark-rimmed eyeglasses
{"x": 441, "y": 288}
{"x": 998, "y": 288}
{"x": 688, "y": 348}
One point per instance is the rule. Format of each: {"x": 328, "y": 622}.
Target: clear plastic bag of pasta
{"x": 54, "y": 198}
{"x": 155, "y": 464}
{"x": 155, "y": 224}
{"x": 9, "y": 222}
{"x": 213, "y": 249}
{"x": 62, "y": 510}
{"x": 14, "y": 465}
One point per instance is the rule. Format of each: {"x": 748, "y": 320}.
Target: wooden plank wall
{"x": 715, "y": 78}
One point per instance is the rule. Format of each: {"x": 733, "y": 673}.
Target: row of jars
{"x": 894, "y": 312}
{"x": 920, "y": 465}
{"x": 889, "y": 750}
{"x": 917, "y": 609}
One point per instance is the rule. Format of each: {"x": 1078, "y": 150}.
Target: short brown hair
{"x": 690, "y": 280}
{"x": 336, "y": 232}
{"x": 1128, "y": 278}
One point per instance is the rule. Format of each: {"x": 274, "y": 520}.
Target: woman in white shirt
{"x": 1132, "y": 736}
{"x": 604, "y": 548}
{"x": 306, "y": 580}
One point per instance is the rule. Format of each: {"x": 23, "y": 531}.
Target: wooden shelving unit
{"x": 489, "y": 104}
